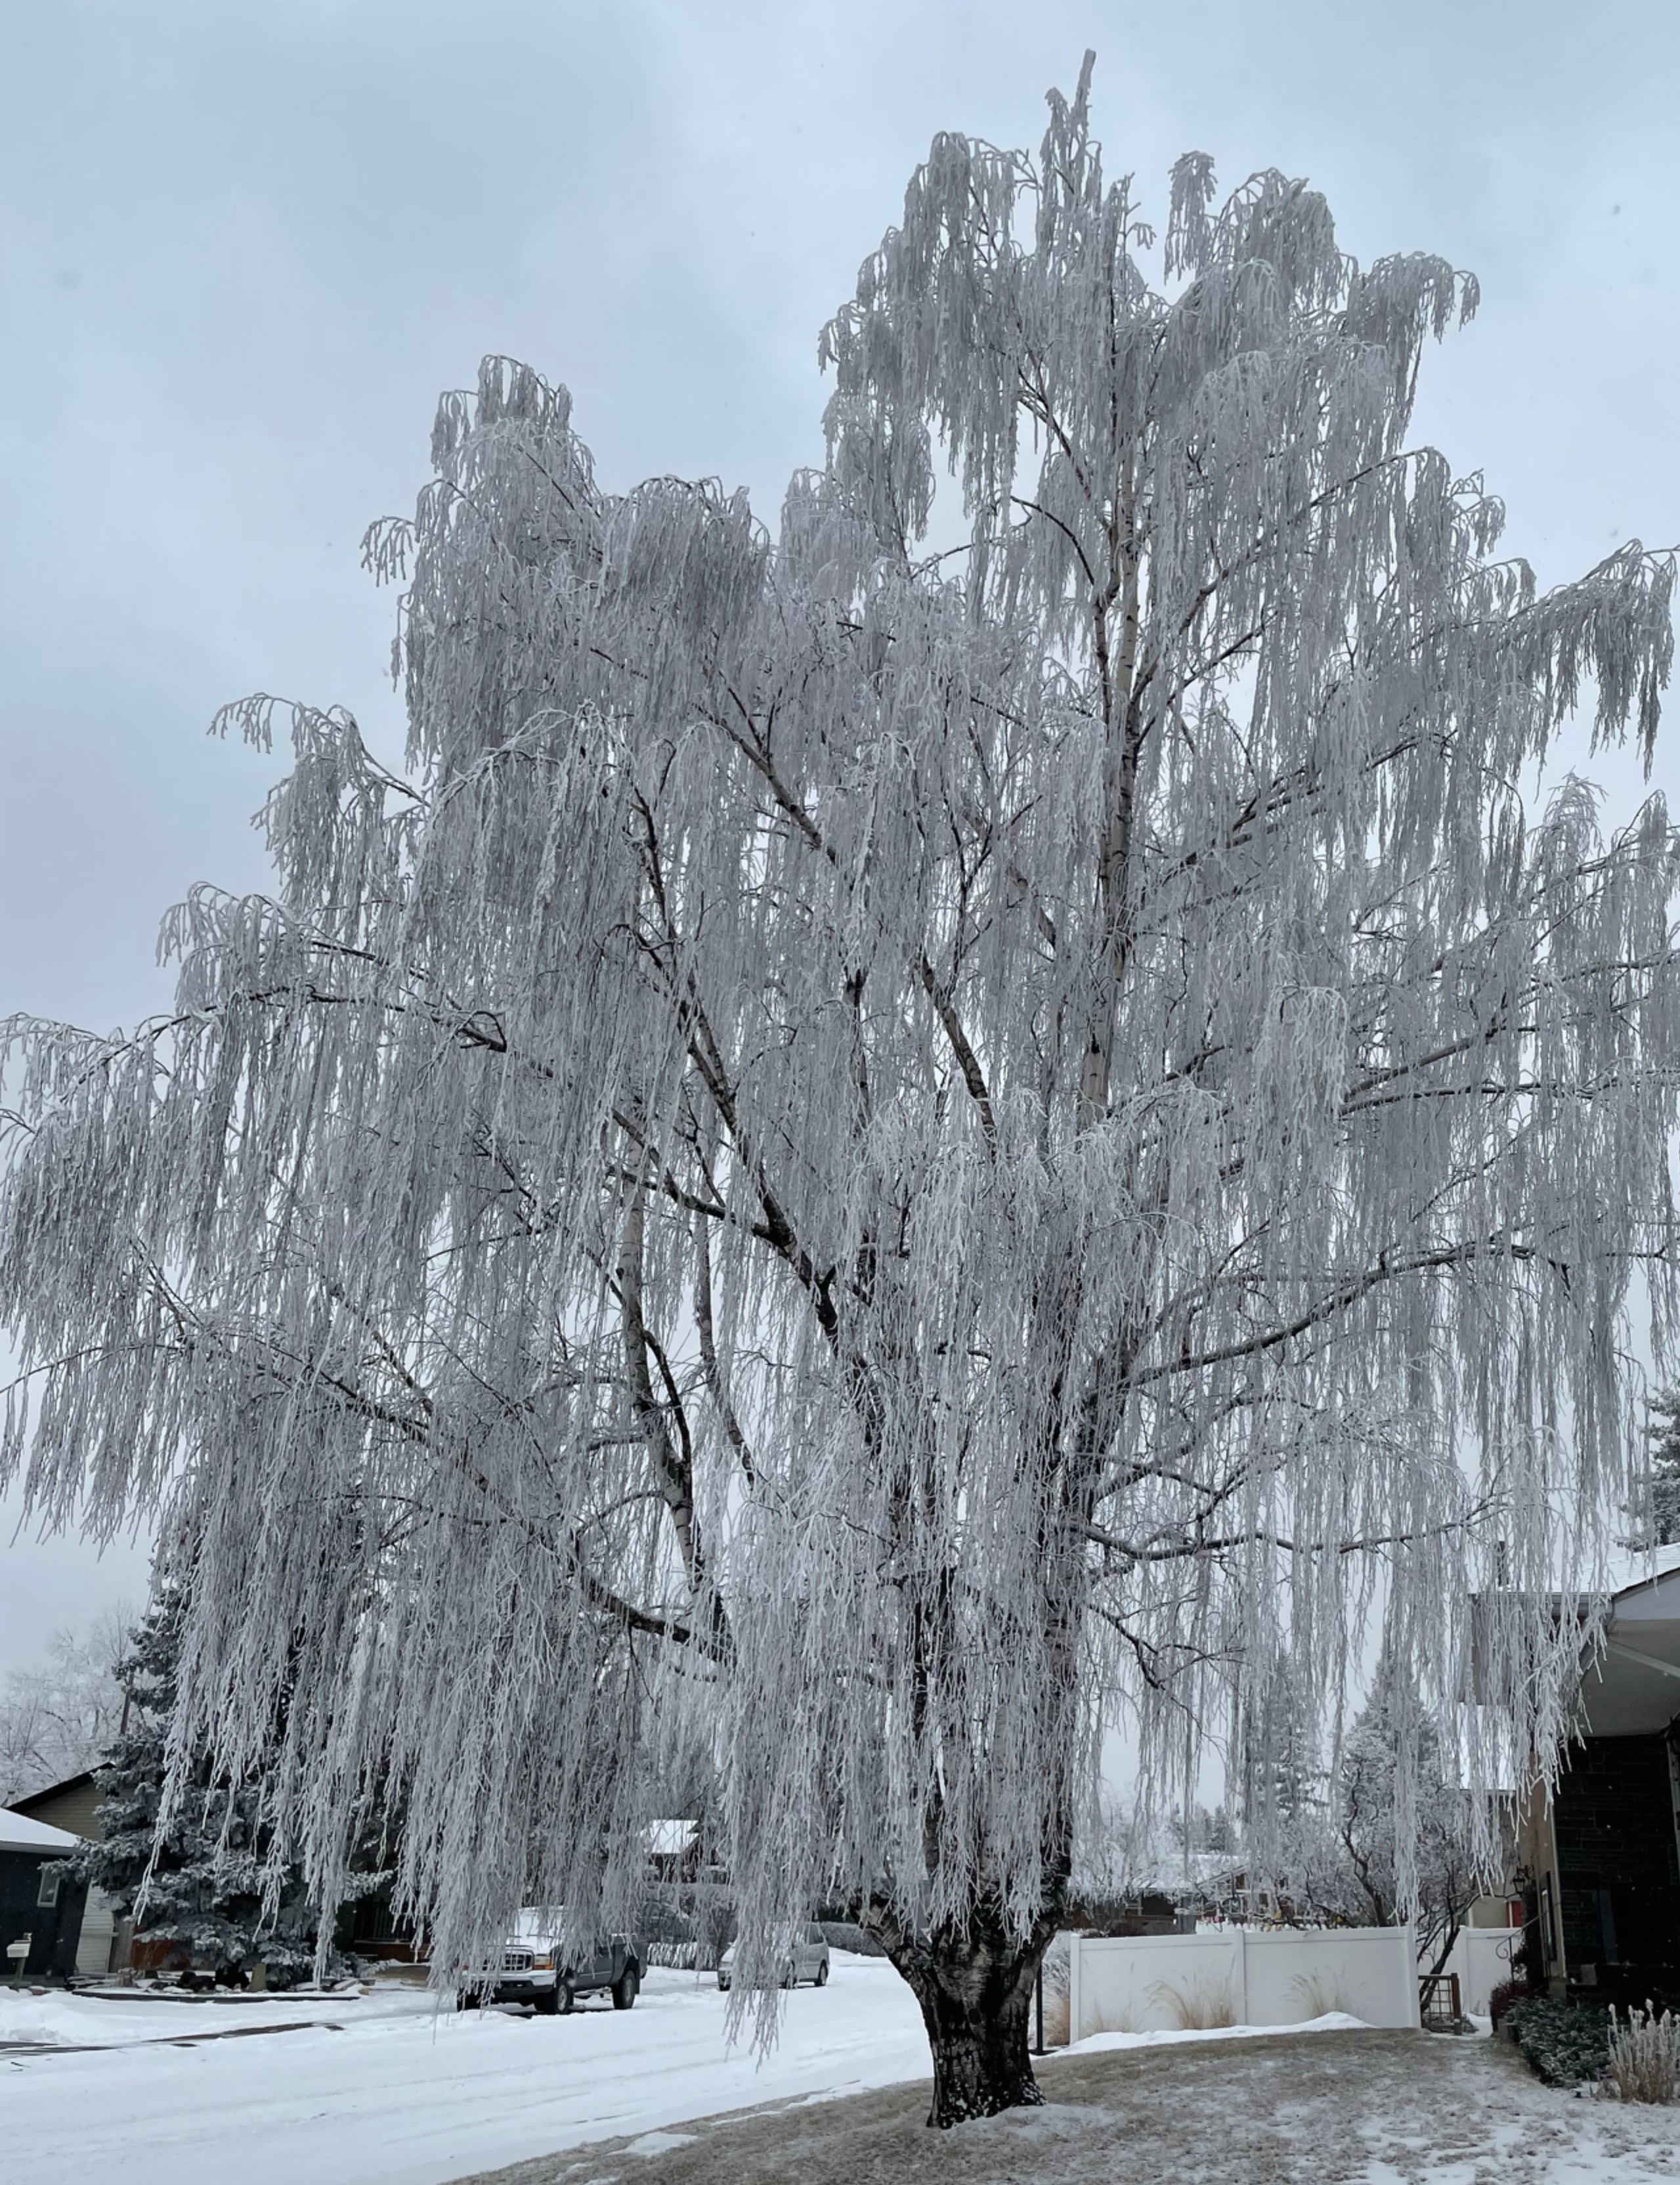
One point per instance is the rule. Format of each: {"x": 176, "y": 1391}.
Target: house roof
{"x": 668, "y": 1839}
{"x": 19, "y": 1833}
{"x": 70, "y": 1785}
{"x": 1633, "y": 1688}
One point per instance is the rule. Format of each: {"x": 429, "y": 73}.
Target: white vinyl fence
{"x": 1482, "y": 1959}
{"x": 1239, "y": 1977}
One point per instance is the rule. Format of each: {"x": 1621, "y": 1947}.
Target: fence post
{"x": 1073, "y": 1941}
{"x": 1243, "y": 2018}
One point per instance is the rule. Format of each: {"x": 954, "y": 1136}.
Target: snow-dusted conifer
{"x": 1656, "y": 1505}
{"x": 879, "y": 1149}
{"x": 204, "y": 1878}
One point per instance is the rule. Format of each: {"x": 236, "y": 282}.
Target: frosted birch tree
{"x": 886, "y": 1151}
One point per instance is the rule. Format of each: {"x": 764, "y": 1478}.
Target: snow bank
{"x": 1332, "y": 2021}
{"x": 120, "y": 2020}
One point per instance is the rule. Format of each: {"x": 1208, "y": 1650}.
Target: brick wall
{"x": 1614, "y": 1821}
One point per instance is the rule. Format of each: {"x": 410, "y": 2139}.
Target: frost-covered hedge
{"x": 844, "y": 1934}
{"x": 1564, "y": 2042}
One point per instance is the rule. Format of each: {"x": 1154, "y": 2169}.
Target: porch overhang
{"x": 1634, "y": 1689}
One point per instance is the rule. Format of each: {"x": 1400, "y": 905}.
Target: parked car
{"x": 536, "y": 1968}
{"x": 807, "y": 1960}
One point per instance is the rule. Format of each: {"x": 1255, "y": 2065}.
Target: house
{"x": 73, "y": 1807}
{"x": 675, "y": 1850}
{"x": 73, "y": 1804}
{"x": 40, "y": 1904}
{"x": 370, "y": 1927}
{"x": 1600, "y": 1854}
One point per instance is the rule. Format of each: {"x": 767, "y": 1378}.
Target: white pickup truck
{"x": 536, "y": 1968}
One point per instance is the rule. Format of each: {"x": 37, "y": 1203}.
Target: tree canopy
{"x": 887, "y": 1148}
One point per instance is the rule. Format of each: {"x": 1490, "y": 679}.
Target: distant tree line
{"x": 58, "y": 1719}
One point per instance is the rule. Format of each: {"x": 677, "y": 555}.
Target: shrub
{"x": 847, "y": 1935}
{"x": 1504, "y": 1995}
{"x": 678, "y": 1957}
{"x": 1563, "y": 2043}
{"x": 1644, "y": 2056}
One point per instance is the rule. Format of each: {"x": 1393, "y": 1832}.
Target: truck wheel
{"x": 546, "y": 2002}
{"x": 625, "y": 1988}
{"x": 564, "y": 1996}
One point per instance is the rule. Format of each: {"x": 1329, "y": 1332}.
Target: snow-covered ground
{"x": 383, "y": 2091}
{"x": 1336, "y": 2108}
{"x": 119, "y": 2018}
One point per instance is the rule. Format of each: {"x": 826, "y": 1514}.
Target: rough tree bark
{"x": 974, "y": 1984}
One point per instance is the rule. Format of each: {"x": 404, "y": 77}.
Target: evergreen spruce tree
{"x": 1284, "y": 1777}
{"x": 1661, "y": 1527}
{"x": 204, "y": 1879}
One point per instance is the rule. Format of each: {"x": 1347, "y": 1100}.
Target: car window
{"x": 813, "y": 1934}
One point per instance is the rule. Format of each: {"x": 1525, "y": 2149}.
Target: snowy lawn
{"x": 379, "y": 2090}
{"x": 1327, "y": 2108}
{"x": 383, "y": 2091}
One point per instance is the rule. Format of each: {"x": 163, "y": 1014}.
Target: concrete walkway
{"x": 1376, "y": 2108}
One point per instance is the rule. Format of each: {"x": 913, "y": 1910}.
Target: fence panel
{"x": 1239, "y": 1977}
{"x": 1152, "y": 1983}
{"x": 1299, "y": 1973}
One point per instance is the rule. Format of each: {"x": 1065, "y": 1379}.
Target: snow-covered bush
{"x": 1504, "y": 1994}
{"x": 847, "y": 1935}
{"x": 1564, "y": 2043}
{"x": 678, "y": 1957}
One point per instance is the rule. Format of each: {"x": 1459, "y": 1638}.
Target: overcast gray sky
{"x": 244, "y": 246}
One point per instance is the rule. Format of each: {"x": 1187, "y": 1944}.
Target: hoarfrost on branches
{"x": 872, "y": 1153}
{"x": 57, "y": 1720}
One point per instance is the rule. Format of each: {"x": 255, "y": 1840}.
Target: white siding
{"x": 98, "y": 1927}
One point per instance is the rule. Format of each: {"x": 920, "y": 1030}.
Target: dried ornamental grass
{"x": 1644, "y": 2056}
{"x": 1198, "y": 2004}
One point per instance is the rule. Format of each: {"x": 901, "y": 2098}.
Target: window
{"x": 49, "y": 1891}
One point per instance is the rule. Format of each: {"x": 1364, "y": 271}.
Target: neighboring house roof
{"x": 72, "y": 1804}
{"x": 669, "y": 1839}
{"x": 19, "y": 1833}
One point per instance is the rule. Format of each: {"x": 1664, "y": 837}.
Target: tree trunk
{"x": 976, "y": 1988}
